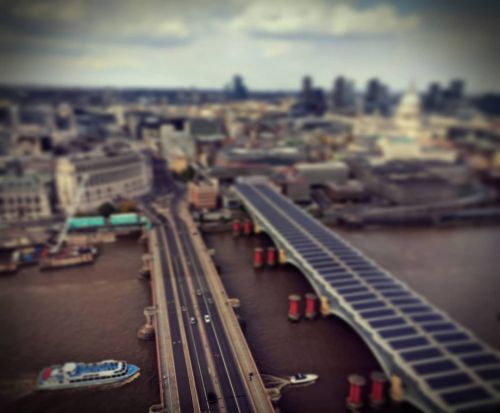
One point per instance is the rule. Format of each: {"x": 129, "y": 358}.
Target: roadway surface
{"x": 189, "y": 297}
{"x": 204, "y": 358}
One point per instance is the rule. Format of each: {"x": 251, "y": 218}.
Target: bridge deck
{"x": 448, "y": 367}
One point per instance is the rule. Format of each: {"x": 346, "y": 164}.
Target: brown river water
{"x": 92, "y": 313}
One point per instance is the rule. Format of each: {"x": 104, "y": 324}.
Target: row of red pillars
{"x": 294, "y": 310}
{"x": 261, "y": 257}
{"x": 247, "y": 227}
{"x": 355, "y": 398}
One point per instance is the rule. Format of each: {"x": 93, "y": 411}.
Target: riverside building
{"x": 108, "y": 176}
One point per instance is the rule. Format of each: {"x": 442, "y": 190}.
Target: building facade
{"x": 107, "y": 176}
{"x": 23, "y": 198}
{"x": 203, "y": 195}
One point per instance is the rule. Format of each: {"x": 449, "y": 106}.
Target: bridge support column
{"x": 236, "y": 228}
{"x": 355, "y": 397}
{"x": 294, "y": 307}
{"x": 247, "y": 227}
{"x": 271, "y": 256}
{"x": 377, "y": 396}
{"x": 258, "y": 257}
{"x": 310, "y": 312}
{"x": 325, "y": 306}
{"x": 282, "y": 256}
{"x": 157, "y": 408}
{"x": 256, "y": 228}
{"x": 397, "y": 392}
{"x": 147, "y": 331}
{"x": 145, "y": 271}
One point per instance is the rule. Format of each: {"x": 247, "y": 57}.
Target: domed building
{"x": 410, "y": 134}
{"x": 407, "y": 119}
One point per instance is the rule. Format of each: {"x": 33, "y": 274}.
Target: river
{"x": 92, "y": 313}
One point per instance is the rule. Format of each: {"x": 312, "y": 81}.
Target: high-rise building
{"x": 307, "y": 84}
{"x": 433, "y": 99}
{"x": 456, "y": 89}
{"x": 377, "y": 99}
{"x": 448, "y": 100}
{"x": 311, "y": 100}
{"x": 238, "y": 89}
{"x": 343, "y": 97}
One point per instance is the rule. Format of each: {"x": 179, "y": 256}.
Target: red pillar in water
{"x": 294, "y": 307}
{"x": 236, "y": 227}
{"x": 377, "y": 396}
{"x": 355, "y": 397}
{"x": 258, "y": 257}
{"x": 311, "y": 306}
{"x": 271, "y": 256}
{"x": 247, "y": 227}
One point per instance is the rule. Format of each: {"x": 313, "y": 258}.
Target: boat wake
{"x": 18, "y": 388}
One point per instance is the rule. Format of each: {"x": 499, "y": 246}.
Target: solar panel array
{"x": 450, "y": 365}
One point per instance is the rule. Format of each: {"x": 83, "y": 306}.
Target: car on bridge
{"x": 211, "y": 397}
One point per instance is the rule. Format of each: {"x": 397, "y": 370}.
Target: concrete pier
{"x": 294, "y": 307}
{"x": 147, "y": 331}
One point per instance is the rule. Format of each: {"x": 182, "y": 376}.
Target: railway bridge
{"x": 444, "y": 366}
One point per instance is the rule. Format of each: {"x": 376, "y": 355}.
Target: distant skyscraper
{"x": 311, "y": 100}
{"x": 306, "y": 84}
{"x": 238, "y": 89}
{"x": 343, "y": 97}
{"x": 377, "y": 97}
{"x": 433, "y": 99}
{"x": 448, "y": 100}
{"x": 457, "y": 89}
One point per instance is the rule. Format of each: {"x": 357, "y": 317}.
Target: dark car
{"x": 211, "y": 397}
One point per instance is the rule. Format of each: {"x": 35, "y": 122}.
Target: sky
{"x": 271, "y": 43}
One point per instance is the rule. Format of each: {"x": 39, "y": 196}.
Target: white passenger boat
{"x": 71, "y": 375}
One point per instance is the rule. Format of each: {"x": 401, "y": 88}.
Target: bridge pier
{"x": 257, "y": 229}
{"x": 397, "y": 392}
{"x": 271, "y": 256}
{"x": 377, "y": 396}
{"x": 294, "y": 307}
{"x": 310, "y": 312}
{"x": 147, "y": 331}
{"x": 282, "y": 256}
{"x": 157, "y": 408}
{"x": 324, "y": 307}
{"x": 236, "y": 228}
{"x": 355, "y": 397}
{"x": 258, "y": 257}
{"x": 247, "y": 227}
{"x": 145, "y": 271}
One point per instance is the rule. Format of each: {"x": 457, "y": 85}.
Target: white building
{"x": 23, "y": 198}
{"x": 412, "y": 135}
{"x": 127, "y": 174}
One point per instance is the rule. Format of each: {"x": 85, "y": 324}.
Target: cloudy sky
{"x": 272, "y": 43}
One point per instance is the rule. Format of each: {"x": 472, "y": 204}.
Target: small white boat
{"x": 301, "y": 378}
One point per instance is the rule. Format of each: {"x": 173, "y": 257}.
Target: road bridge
{"x": 445, "y": 366}
{"x": 200, "y": 353}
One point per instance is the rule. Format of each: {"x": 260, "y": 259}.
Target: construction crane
{"x": 80, "y": 189}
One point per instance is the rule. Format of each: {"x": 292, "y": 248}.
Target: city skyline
{"x": 192, "y": 44}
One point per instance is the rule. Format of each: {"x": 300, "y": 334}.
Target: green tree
{"x": 106, "y": 209}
